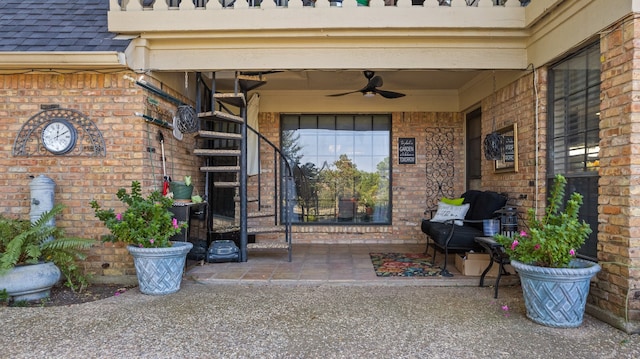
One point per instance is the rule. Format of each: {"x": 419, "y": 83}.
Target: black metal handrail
{"x": 283, "y": 172}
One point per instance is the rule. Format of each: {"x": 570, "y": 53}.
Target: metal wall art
{"x": 87, "y": 139}
{"x": 440, "y": 161}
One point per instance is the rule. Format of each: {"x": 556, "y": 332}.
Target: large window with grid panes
{"x": 573, "y": 132}
{"x": 341, "y": 167}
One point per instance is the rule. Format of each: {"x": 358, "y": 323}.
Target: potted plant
{"x": 145, "y": 226}
{"x": 368, "y": 203}
{"x": 182, "y": 191}
{"x": 555, "y": 283}
{"x": 33, "y": 256}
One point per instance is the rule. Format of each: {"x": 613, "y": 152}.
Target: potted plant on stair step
{"x": 34, "y": 256}
{"x": 555, "y": 283}
{"x": 146, "y": 226}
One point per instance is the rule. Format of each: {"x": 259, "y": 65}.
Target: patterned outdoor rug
{"x": 403, "y": 265}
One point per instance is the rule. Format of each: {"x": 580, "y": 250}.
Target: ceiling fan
{"x": 371, "y": 89}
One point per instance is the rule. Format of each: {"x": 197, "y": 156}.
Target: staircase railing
{"x": 283, "y": 183}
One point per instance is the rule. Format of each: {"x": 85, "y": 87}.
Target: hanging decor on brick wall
{"x": 440, "y": 164}
{"x": 59, "y": 132}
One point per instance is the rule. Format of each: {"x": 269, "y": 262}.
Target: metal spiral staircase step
{"x": 219, "y": 135}
{"x": 248, "y": 82}
{"x": 268, "y": 245}
{"x": 265, "y": 229}
{"x": 210, "y": 152}
{"x": 259, "y": 214}
{"x": 219, "y": 115}
{"x": 226, "y": 184}
{"x": 274, "y": 244}
{"x": 219, "y": 169}
{"x": 234, "y": 99}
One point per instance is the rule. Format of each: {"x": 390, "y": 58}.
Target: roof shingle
{"x": 56, "y": 25}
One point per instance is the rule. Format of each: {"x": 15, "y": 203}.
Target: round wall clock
{"x": 59, "y": 136}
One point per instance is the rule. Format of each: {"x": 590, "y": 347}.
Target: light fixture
{"x": 493, "y": 142}
{"x": 369, "y": 94}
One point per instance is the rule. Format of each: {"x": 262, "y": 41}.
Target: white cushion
{"x": 448, "y": 211}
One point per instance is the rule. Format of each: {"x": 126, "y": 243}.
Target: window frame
{"x": 584, "y": 181}
{"x": 341, "y": 124}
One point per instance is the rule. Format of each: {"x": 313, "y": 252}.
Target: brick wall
{"x": 515, "y": 104}
{"x": 108, "y": 101}
{"x": 619, "y": 230}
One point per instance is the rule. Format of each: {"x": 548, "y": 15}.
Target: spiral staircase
{"x": 262, "y": 203}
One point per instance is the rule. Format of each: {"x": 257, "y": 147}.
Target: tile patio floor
{"x": 343, "y": 264}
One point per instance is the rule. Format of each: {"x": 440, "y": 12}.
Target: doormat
{"x": 403, "y": 265}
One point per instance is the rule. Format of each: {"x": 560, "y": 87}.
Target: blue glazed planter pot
{"x": 556, "y": 297}
{"x": 30, "y": 282}
{"x": 159, "y": 270}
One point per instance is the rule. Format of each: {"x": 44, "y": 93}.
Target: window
{"x": 574, "y": 98}
{"x": 474, "y": 148}
{"x": 341, "y": 167}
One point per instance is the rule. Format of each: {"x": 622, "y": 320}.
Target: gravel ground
{"x": 324, "y": 321}
{"x": 62, "y": 295}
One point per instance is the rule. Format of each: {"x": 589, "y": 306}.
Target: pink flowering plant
{"x": 146, "y": 222}
{"x": 553, "y": 240}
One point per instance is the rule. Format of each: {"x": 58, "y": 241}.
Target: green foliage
{"x": 147, "y": 222}
{"x": 20, "y": 304}
{"x": 367, "y": 188}
{"x": 344, "y": 178}
{"x": 4, "y": 297}
{"x": 65, "y": 255}
{"x": 23, "y": 242}
{"x": 553, "y": 240}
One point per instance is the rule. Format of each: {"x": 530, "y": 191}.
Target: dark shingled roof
{"x": 56, "y": 25}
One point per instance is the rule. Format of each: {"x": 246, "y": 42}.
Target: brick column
{"x": 616, "y": 290}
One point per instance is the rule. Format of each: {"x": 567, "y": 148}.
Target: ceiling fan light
{"x": 369, "y": 94}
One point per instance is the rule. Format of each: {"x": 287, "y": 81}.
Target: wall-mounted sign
{"x": 509, "y": 149}
{"x": 407, "y": 151}
{"x": 509, "y": 159}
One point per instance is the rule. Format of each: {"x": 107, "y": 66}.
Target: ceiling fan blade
{"x": 344, "y": 93}
{"x": 258, "y": 73}
{"x": 374, "y": 82}
{"x": 389, "y": 94}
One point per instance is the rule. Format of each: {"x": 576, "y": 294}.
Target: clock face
{"x": 59, "y": 137}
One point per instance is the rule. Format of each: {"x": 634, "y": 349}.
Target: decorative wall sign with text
{"x": 407, "y": 151}
{"x": 509, "y": 160}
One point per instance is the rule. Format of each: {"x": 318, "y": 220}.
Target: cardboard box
{"x": 473, "y": 264}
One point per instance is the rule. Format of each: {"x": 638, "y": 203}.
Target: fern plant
{"x": 24, "y": 243}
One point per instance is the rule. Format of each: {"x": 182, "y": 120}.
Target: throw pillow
{"x": 448, "y": 211}
{"x": 452, "y": 201}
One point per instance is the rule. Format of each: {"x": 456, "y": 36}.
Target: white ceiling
{"x": 351, "y": 80}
